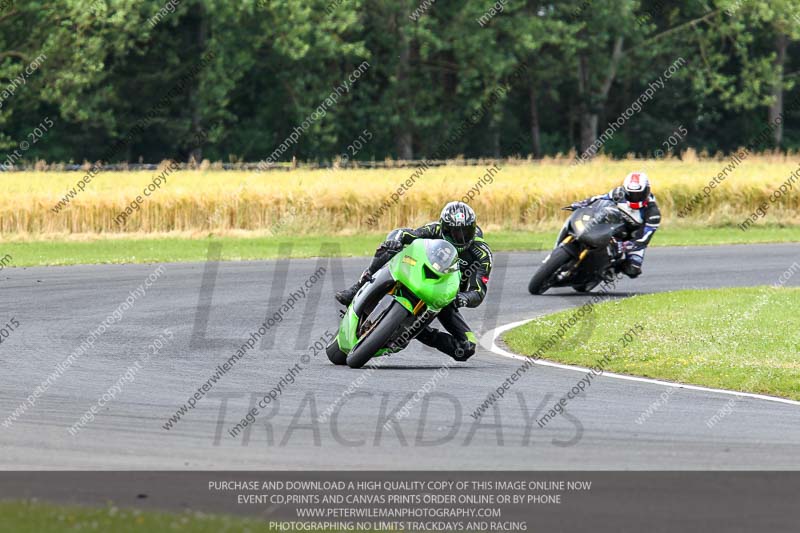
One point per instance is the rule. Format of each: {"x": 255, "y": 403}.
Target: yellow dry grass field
{"x": 516, "y": 194}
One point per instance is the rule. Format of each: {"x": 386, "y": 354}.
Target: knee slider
{"x": 632, "y": 269}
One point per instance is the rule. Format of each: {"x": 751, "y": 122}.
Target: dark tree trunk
{"x": 404, "y": 139}
{"x": 496, "y": 144}
{"x": 593, "y": 102}
{"x": 196, "y": 152}
{"x": 588, "y": 129}
{"x": 776, "y": 108}
{"x": 588, "y": 116}
{"x": 536, "y": 136}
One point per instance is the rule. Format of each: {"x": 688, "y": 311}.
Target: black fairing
{"x": 599, "y": 235}
{"x": 592, "y": 227}
{"x": 595, "y": 225}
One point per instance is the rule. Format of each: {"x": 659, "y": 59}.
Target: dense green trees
{"x": 232, "y": 80}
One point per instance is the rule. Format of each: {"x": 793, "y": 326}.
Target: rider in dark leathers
{"x": 457, "y": 225}
{"x": 643, "y": 218}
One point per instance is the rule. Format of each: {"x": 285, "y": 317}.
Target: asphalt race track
{"x": 58, "y": 307}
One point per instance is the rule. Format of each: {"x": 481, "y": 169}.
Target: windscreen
{"x": 609, "y": 215}
{"x": 607, "y": 211}
{"x": 600, "y": 212}
{"x": 441, "y": 255}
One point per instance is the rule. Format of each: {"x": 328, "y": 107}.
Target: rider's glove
{"x": 461, "y": 300}
{"x": 578, "y": 205}
{"x": 624, "y": 247}
{"x": 392, "y": 246}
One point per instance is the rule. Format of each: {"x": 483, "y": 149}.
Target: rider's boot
{"x": 345, "y": 296}
{"x": 617, "y": 258}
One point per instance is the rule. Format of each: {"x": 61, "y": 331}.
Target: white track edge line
{"x": 489, "y": 341}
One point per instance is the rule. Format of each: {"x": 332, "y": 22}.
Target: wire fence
{"x": 259, "y": 167}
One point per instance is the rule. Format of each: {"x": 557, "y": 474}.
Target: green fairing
{"x": 347, "y": 331}
{"x": 438, "y": 288}
{"x": 436, "y": 293}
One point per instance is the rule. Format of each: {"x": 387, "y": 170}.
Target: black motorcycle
{"x": 586, "y": 251}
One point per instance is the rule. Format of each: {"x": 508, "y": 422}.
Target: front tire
{"x": 335, "y": 354}
{"x": 540, "y": 281}
{"x": 377, "y": 338}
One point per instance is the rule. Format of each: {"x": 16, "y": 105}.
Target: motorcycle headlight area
{"x": 580, "y": 225}
{"x": 442, "y": 256}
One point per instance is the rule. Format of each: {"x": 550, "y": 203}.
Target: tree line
{"x": 147, "y": 80}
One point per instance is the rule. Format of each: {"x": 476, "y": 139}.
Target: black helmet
{"x": 458, "y": 225}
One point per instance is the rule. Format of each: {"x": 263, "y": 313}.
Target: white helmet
{"x": 637, "y": 189}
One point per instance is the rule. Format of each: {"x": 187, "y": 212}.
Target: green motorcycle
{"x": 401, "y": 300}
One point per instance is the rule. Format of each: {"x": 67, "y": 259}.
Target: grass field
{"x": 143, "y": 249}
{"x": 737, "y": 339}
{"x": 519, "y": 195}
{"x": 37, "y": 517}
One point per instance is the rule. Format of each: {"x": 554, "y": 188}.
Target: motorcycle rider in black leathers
{"x": 457, "y": 225}
{"x": 643, "y": 218}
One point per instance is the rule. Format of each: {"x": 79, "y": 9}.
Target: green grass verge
{"x": 37, "y": 517}
{"x": 161, "y": 250}
{"x": 737, "y": 339}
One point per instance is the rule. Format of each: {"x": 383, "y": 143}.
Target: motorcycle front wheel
{"x": 334, "y": 353}
{"x": 378, "y": 335}
{"x": 542, "y": 279}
